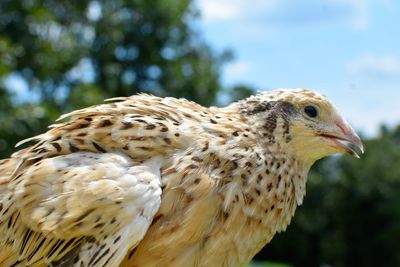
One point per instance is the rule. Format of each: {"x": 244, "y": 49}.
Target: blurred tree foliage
{"x": 351, "y": 214}
{"x": 72, "y": 54}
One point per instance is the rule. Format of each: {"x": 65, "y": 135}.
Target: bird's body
{"x": 152, "y": 181}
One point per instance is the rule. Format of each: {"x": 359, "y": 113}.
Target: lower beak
{"x": 345, "y": 134}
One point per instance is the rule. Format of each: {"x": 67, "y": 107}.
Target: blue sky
{"x": 346, "y": 49}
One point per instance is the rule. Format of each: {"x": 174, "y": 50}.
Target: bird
{"x": 149, "y": 181}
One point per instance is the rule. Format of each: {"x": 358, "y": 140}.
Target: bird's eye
{"x": 311, "y": 111}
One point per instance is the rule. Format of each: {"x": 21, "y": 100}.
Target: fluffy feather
{"x": 89, "y": 191}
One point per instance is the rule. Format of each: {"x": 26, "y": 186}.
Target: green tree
{"x": 72, "y": 54}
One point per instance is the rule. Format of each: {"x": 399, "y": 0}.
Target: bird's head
{"x": 302, "y": 121}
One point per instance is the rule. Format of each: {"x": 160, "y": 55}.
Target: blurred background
{"x": 56, "y": 56}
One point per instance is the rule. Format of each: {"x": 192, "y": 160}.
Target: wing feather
{"x": 100, "y": 204}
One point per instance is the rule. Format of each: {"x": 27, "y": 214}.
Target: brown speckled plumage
{"x": 148, "y": 181}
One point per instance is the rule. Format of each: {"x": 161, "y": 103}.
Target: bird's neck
{"x": 259, "y": 189}
{"x": 263, "y": 178}
{"x": 255, "y": 167}
{"x": 262, "y": 153}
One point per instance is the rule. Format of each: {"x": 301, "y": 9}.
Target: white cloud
{"x": 372, "y": 66}
{"x": 358, "y": 12}
{"x": 230, "y": 10}
{"x": 285, "y": 12}
{"x": 236, "y": 69}
{"x": 214, "y": 11}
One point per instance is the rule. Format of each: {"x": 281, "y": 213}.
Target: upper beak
{"x": 344, "y": 133}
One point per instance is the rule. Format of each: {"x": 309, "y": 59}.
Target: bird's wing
{"x": 105, "y": 200}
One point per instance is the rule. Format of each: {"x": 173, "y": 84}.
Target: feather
{"x": 149, "y": 181}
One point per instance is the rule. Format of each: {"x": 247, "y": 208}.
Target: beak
{"x": 343, "y": 134}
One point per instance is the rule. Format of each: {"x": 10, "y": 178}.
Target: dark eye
{"x": 311, "y": 111}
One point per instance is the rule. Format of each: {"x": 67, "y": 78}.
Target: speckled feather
{"x": 88, "y": 192}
